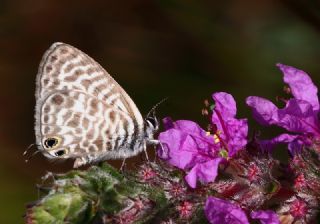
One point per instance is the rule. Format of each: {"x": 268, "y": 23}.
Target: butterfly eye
{"x": 60, "y": 152}
{"x": 152, "y": 121}
{"x": 50, "y": 143}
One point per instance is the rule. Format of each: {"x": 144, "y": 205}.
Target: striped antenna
{"x": 153, "y": 109}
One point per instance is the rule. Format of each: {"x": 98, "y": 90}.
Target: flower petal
{"x": 264, "y": 111}
{"x": 224, "y": 212}
{"x": 225, "y": 104}
{"x": 297, "y": 116}
{"x": 176, "y": 145}
{"x": 190, "y": 127}
{"x": 301, "y": 85}
{"x": 186, "y": 144}
{"x": 239, "y": 130}
{"x": 265, "y": 217}
{"x": 205, "y": 172}
{"x": 295, "y": 142}
{"x": 283, "y": 138}
{"x": 167, "y": 123}
{"x": 231, "y": 130}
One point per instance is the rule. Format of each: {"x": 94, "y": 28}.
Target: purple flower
{"x": 300, "y": 115}
{"x": 265, "y": 217}
{"x": 187, "y": 146}
{"x": 222, "y": 211}
{"x": 232, "y": 132}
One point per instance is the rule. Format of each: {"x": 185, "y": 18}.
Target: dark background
{"x": 184, "y": 50}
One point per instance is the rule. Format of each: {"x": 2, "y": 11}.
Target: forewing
{"x": 64, "y": 67}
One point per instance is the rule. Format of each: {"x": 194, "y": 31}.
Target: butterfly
{"x": 83, "y": 113}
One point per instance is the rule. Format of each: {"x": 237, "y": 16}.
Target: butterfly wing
{"x": 81, "y": 109}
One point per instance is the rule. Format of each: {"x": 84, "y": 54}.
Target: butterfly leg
{"x": 80, "y": 162}
{"x": 146, "y": 153}
{"x": 47, "y": 176}
{"x": 123, "y": 165}
{"x": 155, "y": 143}
{"x": 29, "y": 147}
{"x": 27, "y": 150}
{"x": 44, "y": 179}
{"x": 156, "y": 151}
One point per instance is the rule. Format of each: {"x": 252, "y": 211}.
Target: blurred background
{"x": 184, "y": 50}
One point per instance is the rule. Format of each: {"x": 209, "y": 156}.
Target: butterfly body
{"x": 83, "y": 113}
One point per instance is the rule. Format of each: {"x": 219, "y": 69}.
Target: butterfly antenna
{"x": 29, "y": 147}
{"x": 32, "y": 155}
{"x": 155, "y": 106}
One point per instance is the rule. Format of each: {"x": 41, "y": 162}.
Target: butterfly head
{"x": 151, "y": 125}
{"x": 151, "y": 121}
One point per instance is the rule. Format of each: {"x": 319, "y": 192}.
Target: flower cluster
{"x": 187, "y": 146}
{"x": 215, "y": 175}
{"x": 248, "y": 188}
{"x": 299, "y": 116}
